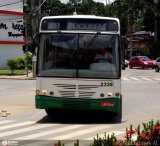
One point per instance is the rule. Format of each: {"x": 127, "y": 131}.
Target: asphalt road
{"x": 141, "y": 100}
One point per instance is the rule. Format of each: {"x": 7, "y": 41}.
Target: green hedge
{"x": 19, "y": 63}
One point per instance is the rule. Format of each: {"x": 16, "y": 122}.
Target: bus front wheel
{"x": 53, "y": 112}
{"x": 117, "y": 118}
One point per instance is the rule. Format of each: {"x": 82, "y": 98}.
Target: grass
{"x": 9, "y": 72}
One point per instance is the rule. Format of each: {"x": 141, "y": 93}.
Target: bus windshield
{"x": 79, "y": 55}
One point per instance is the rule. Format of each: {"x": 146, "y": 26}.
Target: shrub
{"x": 20, "y": 62}
{"x": 107, "y": 140}
{"x": 149, "y": 135}
{"x": 12, "y": 63}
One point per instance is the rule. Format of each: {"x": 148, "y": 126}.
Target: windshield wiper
{"x": 93, "y": 40}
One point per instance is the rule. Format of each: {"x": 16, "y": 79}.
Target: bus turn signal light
{"x": 38, "y": 92}
{"x": 117, "y": 94}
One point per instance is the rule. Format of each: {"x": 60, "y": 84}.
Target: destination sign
{"x": 79, "y": 24}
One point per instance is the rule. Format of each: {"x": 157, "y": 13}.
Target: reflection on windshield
{"x": 79, "y": 55}
{"x": 145, "y": 58}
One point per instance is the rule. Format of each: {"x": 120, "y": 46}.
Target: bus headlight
{"x": 44, "y": 91}
{"x": 109, "y": 94}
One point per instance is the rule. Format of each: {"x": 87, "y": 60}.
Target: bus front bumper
{"x": 106, "y": 104}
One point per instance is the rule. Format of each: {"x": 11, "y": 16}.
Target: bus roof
{"x": 81, "y": 16}
{"x": 82, "y": 23}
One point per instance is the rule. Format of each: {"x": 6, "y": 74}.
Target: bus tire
{"x": 53, "y": 112}
{"x": 119, "y": 115}
{"x": 117, "y": 118}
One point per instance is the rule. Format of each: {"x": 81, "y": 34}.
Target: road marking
{"x": 6, "y": 121}
{"x": 140, "y": 78}
{"x": 78, "y": 133}
{"x": 134, "y": 78}
{"x": 42, "y": 143}
{"x": 33, "y": 127}
{"x": 16, "y": 125}
{"x": 70, "y": 135}
{"x": 146, "y": 79}
{"x": 126, "y": 79}
{"x": 157, "y": 79}
{"x": 44, "y": 133}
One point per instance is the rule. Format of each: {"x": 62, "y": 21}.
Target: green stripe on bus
{"x": 109, "y": 104}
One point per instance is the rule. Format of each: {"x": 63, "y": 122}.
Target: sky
{"x": 12, "y": 5}
{"x": 103, "y": 1}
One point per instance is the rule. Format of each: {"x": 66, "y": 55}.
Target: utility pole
{"x": 26, "y": 35}
{"x": 35, "y": 29}
{"x": 131, "y": 37}
{"x": 131, "y": 24}
{"x": 155, "y": 20}
{"x": 155, "y": 28}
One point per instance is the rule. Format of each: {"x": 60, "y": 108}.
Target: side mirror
{"x": 36, "y": 40}
{"x": 31, "y": 46}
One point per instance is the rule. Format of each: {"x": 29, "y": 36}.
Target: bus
{"x": 68, "y": 76}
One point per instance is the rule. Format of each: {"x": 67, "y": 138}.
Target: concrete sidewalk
{"x": 24, "y": 77}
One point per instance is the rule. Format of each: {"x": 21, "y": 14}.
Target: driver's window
{"x": 137, "y": 59}
{"x": 104, "y": 55}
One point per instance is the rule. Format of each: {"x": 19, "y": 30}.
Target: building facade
{"x": 11, "y": 30}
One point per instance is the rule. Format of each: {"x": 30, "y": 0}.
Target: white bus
{"x": 68, "y": 75}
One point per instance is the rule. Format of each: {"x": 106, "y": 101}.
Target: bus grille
{"x": 76, "y": 104}
{"x": 76, "y": 91}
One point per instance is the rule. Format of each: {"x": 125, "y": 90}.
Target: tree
{"x": 88, "y": 7}
{"x": 127, "y": 11}
{"x": 56, "y": 8}
{"x": 152, "y": 15}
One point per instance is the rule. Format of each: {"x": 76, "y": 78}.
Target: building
{"x": 141, "y": 44}
{"x": 11, "y": 30}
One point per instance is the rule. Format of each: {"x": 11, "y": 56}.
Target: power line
{"x": 11, "y": 3}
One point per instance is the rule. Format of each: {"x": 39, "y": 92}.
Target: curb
{"x": 18, "y": 77}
